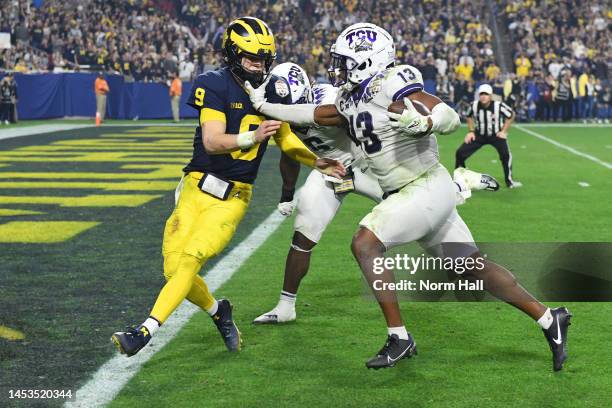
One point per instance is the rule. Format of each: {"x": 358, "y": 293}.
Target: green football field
{"x": 81, "y": 220}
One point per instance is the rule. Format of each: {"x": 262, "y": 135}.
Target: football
{"x": 398, "y": 107}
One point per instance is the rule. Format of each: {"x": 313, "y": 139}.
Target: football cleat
{"x": 556, "y": 335}
{"x": 394, "y": 350}
{"x": 226, "y": 326}
{"x": 475, "y": 181}
{"x": 514, "y": 184}
{"x": 130, "y": 342}
{"x": 275, "y": 316}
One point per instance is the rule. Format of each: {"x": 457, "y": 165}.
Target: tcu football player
{"x": 419, "y": 204}
{"x": 321, "y": 196}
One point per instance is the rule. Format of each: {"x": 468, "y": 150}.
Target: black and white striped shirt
{"x": 490, "y": 120}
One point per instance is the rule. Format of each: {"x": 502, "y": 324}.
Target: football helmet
{"x": 360, "y": 51}
{"x": 292, "y": 80}
{"x": 251, "y": 37}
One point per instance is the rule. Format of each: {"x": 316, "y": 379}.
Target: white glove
{"x": 286, "y": 208}
{"x": 410, "y": 121}
{"x": 257, "y": 95}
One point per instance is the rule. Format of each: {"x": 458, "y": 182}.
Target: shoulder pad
{"x": 324, "y": 94}
{"x": 214, "y": 80}
{"x": 401, "y": 81}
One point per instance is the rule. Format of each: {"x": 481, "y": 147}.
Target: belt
{"x": 198, "y": 174}
{"x": 388, "y": 193}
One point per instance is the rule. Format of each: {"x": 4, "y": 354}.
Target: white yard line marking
{"x": 565, "y": 147}
{"x": 111, "y": 377}
{"x": 37, "y": 130}
{"x": 560, "y": 125}
{"x": 40, "y": 129}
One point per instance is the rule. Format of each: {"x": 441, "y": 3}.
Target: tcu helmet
{"x": 292, "y": 79}
{"x": 360, "y": 51}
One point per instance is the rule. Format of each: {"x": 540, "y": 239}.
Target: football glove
{"x": 257, "y": 95}
{"x": 410, "y": 122}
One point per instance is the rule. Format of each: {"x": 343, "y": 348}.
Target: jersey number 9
{"x": 199, "y": 96}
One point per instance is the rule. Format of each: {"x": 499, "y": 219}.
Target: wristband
{"x": 246, "y": 140}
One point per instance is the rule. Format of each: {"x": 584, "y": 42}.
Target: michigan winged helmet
{"x": 250, "y": 37}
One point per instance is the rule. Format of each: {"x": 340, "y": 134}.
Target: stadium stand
{"x": 559, "y": 45}
{"x": 451, "y": 42}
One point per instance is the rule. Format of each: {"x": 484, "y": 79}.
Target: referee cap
{"x": 485, "y": 88}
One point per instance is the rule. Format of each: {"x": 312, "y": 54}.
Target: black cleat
{"x": 227, "y": 327}
{"x": 556, "y": 335}
{"x": 394, "y": 350}
{"x": 489, "y": 181}
{"x": 130, "y": 342}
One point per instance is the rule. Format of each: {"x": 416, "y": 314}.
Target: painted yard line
{"x": 560, "y": 125}
{"x": 111, "y": 377}
{"x": 568, "y": 125}
{"x": 37, "y": 130}
{"x": 565, "y": 147}
{"x": 154, "y": 124}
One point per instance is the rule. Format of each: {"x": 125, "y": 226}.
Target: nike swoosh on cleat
{"x": 558, "y": 339}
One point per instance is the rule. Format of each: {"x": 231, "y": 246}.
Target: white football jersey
{"x": 394, "y": 158}
{"x": 328, "y": 141}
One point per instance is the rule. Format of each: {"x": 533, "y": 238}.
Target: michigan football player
{"x": 216, "y": 188}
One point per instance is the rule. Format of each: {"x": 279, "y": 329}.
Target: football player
{"x": 419, "y": 205}
{"x": 216, "y": 188}
{"x": 321, "y": 196}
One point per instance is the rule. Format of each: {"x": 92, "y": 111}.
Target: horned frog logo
{"x": 362, "y": 44}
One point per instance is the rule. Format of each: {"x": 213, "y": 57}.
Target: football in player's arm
{"x": 363, "y": 61}
{"x": 443, "y": 118}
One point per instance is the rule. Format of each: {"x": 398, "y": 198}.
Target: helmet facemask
{"x": 234, "y": 57}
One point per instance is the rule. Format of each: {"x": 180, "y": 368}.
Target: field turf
{"x": 81, "y": 220}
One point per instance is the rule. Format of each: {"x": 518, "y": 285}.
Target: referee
{"x": 488, "y": 122}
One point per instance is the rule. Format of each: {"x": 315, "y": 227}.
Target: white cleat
{"x": 462, "y": 193}
{"x": 276, "y": 316}
{"x": 475, "y": 181}
{"x": 515, "y": 184}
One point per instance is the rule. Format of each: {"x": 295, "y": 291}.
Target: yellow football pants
{"x": 199, "y": 228}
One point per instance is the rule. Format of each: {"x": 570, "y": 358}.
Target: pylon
{"x": 98, "y": 119}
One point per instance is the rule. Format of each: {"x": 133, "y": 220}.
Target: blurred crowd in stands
{"x": 558, "y": 51}
{"x": 561, "y": 53}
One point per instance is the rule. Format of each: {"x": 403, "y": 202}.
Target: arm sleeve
{"x": 293, "y": 147}
{"x": 299, "y": 115}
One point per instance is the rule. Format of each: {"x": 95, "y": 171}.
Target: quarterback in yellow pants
{"x": 215, "y": 191}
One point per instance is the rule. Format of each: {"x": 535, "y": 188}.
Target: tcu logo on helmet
{"x": 295, "y": 76}
{"x": 359, "y": 37}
